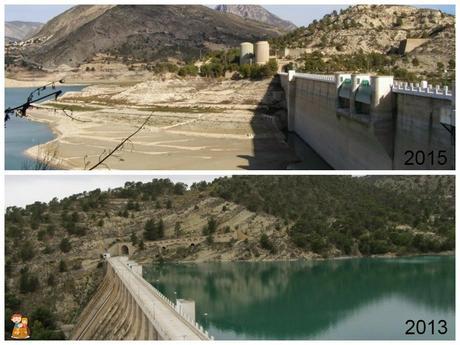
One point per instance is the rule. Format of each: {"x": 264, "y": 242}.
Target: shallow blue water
{"x": 21, "y": 133}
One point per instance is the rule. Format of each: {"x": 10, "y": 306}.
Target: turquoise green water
{"x": 333, "y": 299}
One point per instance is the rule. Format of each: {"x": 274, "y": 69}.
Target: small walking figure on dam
{"x": 21, "y": 327}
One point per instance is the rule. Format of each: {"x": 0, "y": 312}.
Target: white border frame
{"x": 225, "y": 172}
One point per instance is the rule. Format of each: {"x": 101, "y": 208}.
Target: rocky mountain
{"x": 70, "y": 21}
{"x": 18, "y": 31}
{"x": 258, "y": 13}
{"x": 380, "y": 29}
{"x": 140, "y": 33}
{"x": 371, "y": 28}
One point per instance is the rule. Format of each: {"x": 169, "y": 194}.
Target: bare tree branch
{"x": 121, "y": 144}
{"x": 73, "y": 118}
{"x": 21, "y": 110}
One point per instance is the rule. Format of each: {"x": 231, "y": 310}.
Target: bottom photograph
{"x": 208, "y": 257}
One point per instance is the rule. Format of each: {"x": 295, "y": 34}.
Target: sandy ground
{"x": 194, "y": 125}
{"x": 104, "y": 74}
{"x": 43, "y": 81}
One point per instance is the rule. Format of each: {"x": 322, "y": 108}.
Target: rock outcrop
{"x": 257, "y": 13}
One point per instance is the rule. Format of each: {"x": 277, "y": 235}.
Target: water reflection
{"x": 335, "y": 299}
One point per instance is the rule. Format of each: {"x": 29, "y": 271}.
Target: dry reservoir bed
{"x": 195, "y": 124}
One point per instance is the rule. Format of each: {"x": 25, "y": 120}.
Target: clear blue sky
{"x": 33, "y": 13}
{"x": 298, "y": 14}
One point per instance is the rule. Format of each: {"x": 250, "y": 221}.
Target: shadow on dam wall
{"x": 273, "y": 146}
{"x": 371, "y": 122}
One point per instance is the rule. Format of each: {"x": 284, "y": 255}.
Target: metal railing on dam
{"x": 362, "y": 121}
{"x": 423, "y": 89}
{"x": 128, "y": 307}
{"x": 328, "y": 78}
{"x": 419, "y": 89}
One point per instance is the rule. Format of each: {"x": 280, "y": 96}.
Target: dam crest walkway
{"x": 127, "y": 307}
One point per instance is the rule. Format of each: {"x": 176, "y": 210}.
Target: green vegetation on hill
{"x": 259, "y": 71}
{"x": 41, "y": 282}
{"x": 325, "y": 213}
{"x": 358, "y": 62}
{"x": 216, "y": 64}
{"x": 350, "y": 215}
{"x": 43, "y": 323}
{"x": 382, "y": 64}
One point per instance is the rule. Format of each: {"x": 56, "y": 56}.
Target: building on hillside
{"x": 409, "y": 44}
{"x": 295, "y": 53}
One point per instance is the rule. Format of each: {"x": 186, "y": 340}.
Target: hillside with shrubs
{"x": 366, "y": 38}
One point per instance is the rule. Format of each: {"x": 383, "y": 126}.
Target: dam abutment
{"x": 361, "y": 122}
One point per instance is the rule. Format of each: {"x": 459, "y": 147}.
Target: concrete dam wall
{"x": 424, "y": 124}
{"x": 365, "y": 122}
{"x": 126, "y": 307}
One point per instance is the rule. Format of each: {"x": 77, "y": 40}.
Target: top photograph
{"x": 229, "y": 87}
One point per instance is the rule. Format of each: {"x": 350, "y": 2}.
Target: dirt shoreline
{"x": 311, "y": 259}
{"x": 16, "y": 83}
{"x": 35, "y": 152}
{"x": 194, "y": 125}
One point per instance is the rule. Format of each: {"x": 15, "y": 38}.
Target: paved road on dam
{"x": 168, "y": 322}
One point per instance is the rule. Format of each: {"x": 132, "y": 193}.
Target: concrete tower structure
{"x": 187, "y": 307}
{"x": 247, "y": 53}
{"x": 262, "y": 52}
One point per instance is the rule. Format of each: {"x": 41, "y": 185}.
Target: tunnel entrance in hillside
{"x": 124, "y": 250}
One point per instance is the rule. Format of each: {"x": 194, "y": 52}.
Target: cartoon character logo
{"x": 21, "y": 326}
